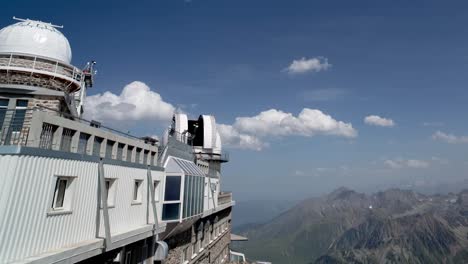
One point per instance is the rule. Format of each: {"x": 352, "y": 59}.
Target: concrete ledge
{"x": 219, "y": 208}
{"x": 90, "y": 248}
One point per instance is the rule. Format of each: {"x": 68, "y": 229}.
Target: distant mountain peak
{"x": 343, "y": 193}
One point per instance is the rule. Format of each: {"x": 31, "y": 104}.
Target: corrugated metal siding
{"x": 26, "y": 195}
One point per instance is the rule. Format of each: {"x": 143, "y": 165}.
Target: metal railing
{"x": 224, "y": 198}
{"x": 88, "y": 122}
{"x": 187, "y": 138}
{"x": 41, "y": 64}
{"x": 33, "y": 64}
{"x": 47, "y": 129}
{"x": 182, "y": 137}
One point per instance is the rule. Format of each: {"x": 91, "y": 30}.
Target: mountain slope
{"x": 394, "y": 226}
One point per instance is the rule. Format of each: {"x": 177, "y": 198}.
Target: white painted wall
{"x": 207, "y": 199}
{"x": 26, "y": 191}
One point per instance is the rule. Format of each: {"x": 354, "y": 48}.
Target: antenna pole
{"x": 27, "y": 19}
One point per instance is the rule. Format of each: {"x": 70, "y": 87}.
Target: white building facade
{"x": 76, "y": 191}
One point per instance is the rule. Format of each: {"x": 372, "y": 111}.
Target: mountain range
{"x": 392, "y": 226}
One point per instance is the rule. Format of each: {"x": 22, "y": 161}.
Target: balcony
{"x": 210, "y": 156}
{"x": 224, "y": 198}
{"x": 22, "y": 69}
{"x": 45, "y": 129}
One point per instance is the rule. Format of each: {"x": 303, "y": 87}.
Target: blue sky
{"x": 405, "y": 61}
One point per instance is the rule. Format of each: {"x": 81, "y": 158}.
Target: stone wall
{"x": 182, "y": 244}
{"x": 51, "y": 102}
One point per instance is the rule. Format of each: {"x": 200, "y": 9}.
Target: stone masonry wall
{"x": 183, "y": 242}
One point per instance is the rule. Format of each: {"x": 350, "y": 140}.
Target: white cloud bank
{"x": 410, "y": 163}
{"x": 136, "y": 102}
{"x": 449, "y": 138}
{"x": 304, "y": 65}
{"x": 249, "y": 132}
{"x": 233, "y": 138}
{"x": 375, "y": 120}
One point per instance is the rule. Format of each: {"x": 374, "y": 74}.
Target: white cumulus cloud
{"x": 304, "y": 65}
{"x": 309, "y": 122}
{"x": 376, "y": 120}
{"x": 135, "y": 102}
{"x": 410, "y": 163}
{"x": 138, "y": 102}
{"x": 233, "y": 138}
{"x": 450, "y": 138}
{"x": 253, "y": 132}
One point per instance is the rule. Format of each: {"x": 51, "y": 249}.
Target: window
{"x": 67, "y": 136}
{"x": 128, "y": 257}
{"x": 153, "y": 158}
{"x": 145, "y": 157}
{"x": 19, "y": 115}
{"x": 194, "y": 249}
{"x": 129, "y": 153}
{"x": 186, "y": 255}
{"x": 171, "y": 206}
{"x": 120, "y": 149}
{"x": 110, "y": 187}
{"x": 144, "y": 252}
{"x": 172, "y": 188}
{"x": 82, "y": 143}
{"x": 109, "y": 147}
{"x": 97, "y": 146}
{"x": 156, "y": 191}
{"x": 171, "y": 211}
{"x": 193, "y": 195}
{"x": 199, "y": 241}
{"x": 3, "y": 110}
{"x": 62, "y": 195}
{"x": 137, "y": 156}
{"x": 137, "y": 191}
{"x": 47, "y": 136}
{"x": 59, "y": 194}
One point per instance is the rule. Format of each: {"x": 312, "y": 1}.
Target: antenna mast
{"x": 29, "y": 20}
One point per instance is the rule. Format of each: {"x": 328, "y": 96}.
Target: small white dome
{"x": 35, "y": 38}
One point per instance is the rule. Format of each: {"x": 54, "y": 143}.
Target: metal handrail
{"x": 31, "y": 62}
{"x": 88, "y": 122}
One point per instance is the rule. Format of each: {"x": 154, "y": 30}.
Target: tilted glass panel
{"x": 185, "y": 210}
{"x": 200, "y": 197}
{"x": 191, "y": 195}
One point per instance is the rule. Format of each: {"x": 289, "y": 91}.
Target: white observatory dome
{"x": 35, "y": 38}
